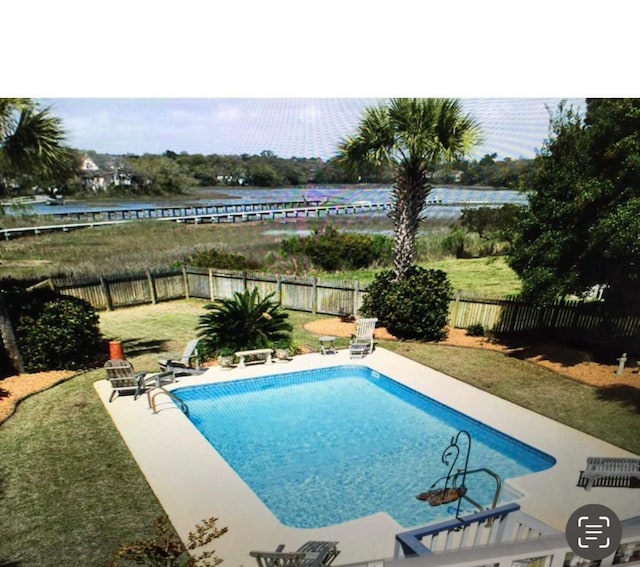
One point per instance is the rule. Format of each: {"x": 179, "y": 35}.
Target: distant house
{"x": 96, "y": 179}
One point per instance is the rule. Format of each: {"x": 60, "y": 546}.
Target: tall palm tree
{"x": 31, "y": 141}
{"x": 414, "y": 136}
{"x": 30, "y": 144}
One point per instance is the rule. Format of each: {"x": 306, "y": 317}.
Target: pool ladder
{"x": 151, "y": 399}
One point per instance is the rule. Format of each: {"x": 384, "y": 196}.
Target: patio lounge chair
{"x": 362, "y": 341}
{"x": 124, "y": 378}
{"x": 311, "y": 554}
{"x": 182, "y": 365}
{"x": 613, "y": 470}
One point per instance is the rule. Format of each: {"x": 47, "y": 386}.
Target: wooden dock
{"x": 199, "y": 215}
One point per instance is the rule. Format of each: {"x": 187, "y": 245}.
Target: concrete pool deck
{"x": 193, "y": 482}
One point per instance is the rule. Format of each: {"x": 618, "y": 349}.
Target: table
{"x": 327, "y": 344}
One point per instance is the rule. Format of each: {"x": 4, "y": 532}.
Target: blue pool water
{"x": 326, "y": 446}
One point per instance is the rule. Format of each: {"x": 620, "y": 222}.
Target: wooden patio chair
{"x": 124, "y": 379}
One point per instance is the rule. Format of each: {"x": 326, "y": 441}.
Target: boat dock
{"x": 224, "y": 213}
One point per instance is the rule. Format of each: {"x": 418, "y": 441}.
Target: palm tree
{"x": 244, "y": 321}
{"x": 30, "y": 144}
{"x": 414, "y": 137}
{"x": 31, "y": 141}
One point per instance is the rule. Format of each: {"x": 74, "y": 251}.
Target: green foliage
{"x": 487, "y": 171}
{"x": 31, "y": 146}
{"x": 166, "y": 549}
{"x": 476, "y": 330}
{"x": 243, "y": 322}
{"x": 491, "y": 222}
{"x": 213, "y": 258}
{"x": 332, "y": 250}
{"x": 413, "y": 137}
{"x": 54, "y": 331}
{"x": 454, "y": 242}
{"x": 153, "y": 175}
{"x": 413, "y": 308}
{"x": 581, "y": 227}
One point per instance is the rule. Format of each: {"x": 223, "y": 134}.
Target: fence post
{"x": 244, "y": 279}
{"x": 152, "y": 288}
{"x": 106, "y": 293}
{"x": 186, "y": 282}
{"x": 454, "y": 309}
{"x": 356, "y": 294}
{"x": 279, "y": 288}
{"x": 314, "y": 295}
{"x": 212, "y": 295}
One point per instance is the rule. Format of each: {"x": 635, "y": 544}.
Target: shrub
{"x": 244, "y": 321}
{"x": 413, "y": 308}
{"x": 213, "y": 258}
{"x": 54, "y": 331}
{"x": 331, "y": 250}
{"x": 476, "y": 330}
{"x": 166, "y": 549}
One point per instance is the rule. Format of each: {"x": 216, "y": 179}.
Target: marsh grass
{"x": 158, "y": 245}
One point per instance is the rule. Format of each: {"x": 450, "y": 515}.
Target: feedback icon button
{"x": 594, "y": 531}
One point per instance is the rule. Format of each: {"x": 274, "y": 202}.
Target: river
{"x": 442, "y": 202}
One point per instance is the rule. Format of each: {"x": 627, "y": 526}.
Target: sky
{"x": 289, "y": 127}
{"x": 293, "y": 78}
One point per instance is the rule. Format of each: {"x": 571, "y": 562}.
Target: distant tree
{"x": 494, "y": 173}
{"x": 157, "y": 175}
{"x": 491, "y": 222}
{"x": 582, "y": 226}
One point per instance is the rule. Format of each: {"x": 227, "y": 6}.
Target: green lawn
{"x": 71, "y": 493}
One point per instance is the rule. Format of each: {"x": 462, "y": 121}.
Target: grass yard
{"x": 71, "y": 493}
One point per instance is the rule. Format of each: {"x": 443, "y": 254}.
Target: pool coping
{"x": 167, "y": 447}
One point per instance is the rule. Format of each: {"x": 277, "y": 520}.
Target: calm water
{"x": 335, "y": 195}
{"x": 327, "y": 446}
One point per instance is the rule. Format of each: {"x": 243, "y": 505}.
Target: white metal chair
{"x": 362, "y": 341}
{"x": 187, "y": 363}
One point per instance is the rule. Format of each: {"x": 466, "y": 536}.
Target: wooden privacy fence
{"x": 124, "y": 290}
{"x": 302, "y": 294}
{"x": 570, "y": 320}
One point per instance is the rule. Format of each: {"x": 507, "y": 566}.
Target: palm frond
{"x": 35, "y": 143}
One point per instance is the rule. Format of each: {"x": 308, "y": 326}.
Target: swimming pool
{"x": 326, "y": 446}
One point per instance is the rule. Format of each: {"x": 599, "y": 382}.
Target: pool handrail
{"x": 151, "y": 399}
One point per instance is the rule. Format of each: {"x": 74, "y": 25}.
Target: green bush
{"x": 54, "y": 331}
{"x": 243, "y": 322}
{"x": 413, "y": 308}
{"x": 331, "y": 250}
{"x": 213, "y": 258}
{"x": 475, "y": 330}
